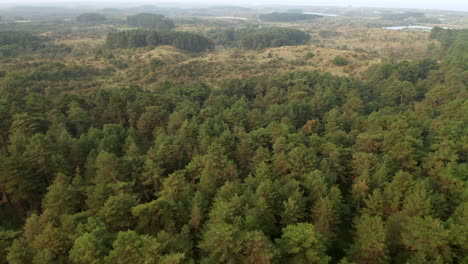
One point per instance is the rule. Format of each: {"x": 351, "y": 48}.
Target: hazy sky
{"x": 458, "y": 5}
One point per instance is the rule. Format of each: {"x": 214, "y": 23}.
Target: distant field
{"x": 349, "y": 38}
{"x": 361, "y": 46}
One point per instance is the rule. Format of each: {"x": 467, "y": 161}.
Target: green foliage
{"x": 221, "y": 243}
{"x": 91, "y": 18}
{"x": 142, "y": 38}
{"x": 20, "y": 39}
{"x": 261, "y": 38}
{"x": 116, "y": 212}
{"x": 402, "y": 16}
{"x": 426, "y": 239}
{"x": 300, "y": 167}
{"x": 328, "y": 34}
{"x": 87, "y": 249}
{"x": 61, "y": 196}
{"x": 340, "y": 61}
{"x": 453, "y": 44}
{"x": 429, "y": 20}
{"x": 153, "y": 21}
{"x": 6, "y": 239}
{"x": 309, "y": 55}
{"x": 301, "y": 243}
{"x": 129, "y": 247}
{"x": 42, "y": 76}
{"x": 12, "y": 43}
{"x": 287, "y": 17}
{"x": 370, "y": 243}
{"x": 457, "y": 51}
{"x": 272, "y": 37}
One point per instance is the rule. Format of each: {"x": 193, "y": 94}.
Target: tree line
{"x": 287, "y": 17}
{"x": 21, "y": 39}
{"x": 13, "y": 42}
{"x": 91, "y": 18}
{"x": 260, "y": 38}
{"x": 402, "y": 16}
{"x": 453, "y": 44}
{"x": 152, "y": 21}
{"x": 141, "y": 38}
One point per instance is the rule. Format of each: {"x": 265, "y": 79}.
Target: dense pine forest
{"x": 260, "y": 38}
{"x": 298, "y": 167}
{"x": 153, "y": 21}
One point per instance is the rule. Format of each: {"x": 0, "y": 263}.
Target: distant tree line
{"x": 91, "y": 18}
{"x": 328, "y": 34}
{"x": 21, "y": 39}
{"x": 11, "y": 42}
{"x": 453, "y": 44}
{"x": 416, "y": 16}
{"x": 141, "y": 38}
{"x": 402, "y": 16}
{"x": 49, "y": 76}
{"x": 260, "y": 38}
{"x": 428, "y": 20}
{"x": 287, "y": 17}
{"x": 153, "y": 21}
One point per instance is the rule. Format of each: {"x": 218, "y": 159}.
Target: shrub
{"x": 340, "y": 61}
{"x": 309, "y": 55}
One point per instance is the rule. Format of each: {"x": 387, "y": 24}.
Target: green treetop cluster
{"x": 302, "y": 167}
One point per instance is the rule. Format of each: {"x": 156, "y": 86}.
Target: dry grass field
{"x": 362, "y": 46}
